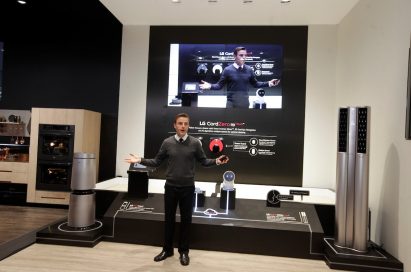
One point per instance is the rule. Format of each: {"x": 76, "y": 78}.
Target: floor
{"x": 17, "y": 222}
{"x": 107, "y": 256}
{"x": 19, "y": 225}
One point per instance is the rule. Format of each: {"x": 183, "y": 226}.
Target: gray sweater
{"x": 181, "y": 159}
{"x": 237, "y": 85}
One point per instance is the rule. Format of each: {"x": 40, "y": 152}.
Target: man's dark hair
{"x": 183, "y": 114}
{"x": 238, "y": 49}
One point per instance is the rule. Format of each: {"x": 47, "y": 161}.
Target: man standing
{"x": 181, "y": 151}
{"x": 237, "y": 76}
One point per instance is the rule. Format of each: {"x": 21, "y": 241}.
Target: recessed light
{"x": 176, "y": 1}
{"x": 247, "y": 1}
{"x": 22, "y": 2}
{"x": 285, "y": 1}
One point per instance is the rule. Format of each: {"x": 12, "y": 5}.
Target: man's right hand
{"x": 133, "y": 159}
{"x": 205, "y": 85}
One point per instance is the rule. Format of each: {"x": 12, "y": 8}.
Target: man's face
{"x": 181, "y": 126}
{"x": 240, "y": 58}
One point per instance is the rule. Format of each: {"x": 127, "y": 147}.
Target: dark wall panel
{"x": 64, "y": 54}
{"x": 284, "y": 166}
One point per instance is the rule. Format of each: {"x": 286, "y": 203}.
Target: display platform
{"x": 61, "y": 234}
{"x": 376, "y": 259}
{"x": 292, "y": 230}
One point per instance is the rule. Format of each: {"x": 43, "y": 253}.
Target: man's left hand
{"x": 273, "y": 82}
{"x": 223, "y": 159}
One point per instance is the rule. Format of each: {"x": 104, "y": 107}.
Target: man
{"x": 237, "y": 76}
{"x": 181, "y": 152}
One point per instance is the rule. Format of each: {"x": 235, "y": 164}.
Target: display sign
{"x": 300, "y": 192}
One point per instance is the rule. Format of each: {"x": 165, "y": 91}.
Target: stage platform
{"x": 292, "y": 230}
{"x": 300, "y": 228}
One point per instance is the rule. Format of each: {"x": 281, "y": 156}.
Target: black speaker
{"x": 138, "y": 184}
{"x": 199, "y": 199}
{"x": 227, "y": 199}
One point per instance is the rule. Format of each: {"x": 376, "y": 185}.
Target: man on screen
{"x": 237, "y": 76}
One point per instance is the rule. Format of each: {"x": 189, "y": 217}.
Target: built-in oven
{"x": 54, "y": 176}
{"x": 56, "y": 142}
{"x": 55, "y": 157}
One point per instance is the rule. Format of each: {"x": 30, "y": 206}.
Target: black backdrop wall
{"x": 64, "y": 54}
{"x": 264, "y": 146}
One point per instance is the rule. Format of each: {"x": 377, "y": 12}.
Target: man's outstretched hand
{"x": 204, "y": 85}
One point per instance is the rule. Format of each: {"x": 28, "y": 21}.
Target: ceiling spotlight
{"x": 176, "y": 1}
{"x": 22, "y": 2}
{"x": 247, "y": 1}
{"x": 285, "y": 1}
{"x": 212, "y": 1}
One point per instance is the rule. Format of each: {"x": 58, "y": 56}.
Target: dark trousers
{"x": 183, "y": 197}
{"x": 237, "y": 103}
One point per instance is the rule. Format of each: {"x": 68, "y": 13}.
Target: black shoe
{"x": 162, "y": 256}
{"x": 184, "y": 259}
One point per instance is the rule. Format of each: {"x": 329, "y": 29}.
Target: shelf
{"x": 12, "y": 129}
{"x": 11, "y": 123}
{"x": 15, "y": 145}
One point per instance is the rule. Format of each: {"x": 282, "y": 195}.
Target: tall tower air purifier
{"x": 82, "y": 198}
{"x": 351, "y": 207}
{"x": 81, "y": 228}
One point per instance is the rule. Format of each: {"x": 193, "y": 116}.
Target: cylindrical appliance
{"x": 82, "y": 210}
{"x": 361, "y": 182}
{"x": 351, "y": 207}
{"x": 82, "y": 197}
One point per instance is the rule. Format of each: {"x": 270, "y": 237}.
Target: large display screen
{"x": 1, "y": 68}
{"x": 265, "y": 145}
{"x": 191, "y": 64}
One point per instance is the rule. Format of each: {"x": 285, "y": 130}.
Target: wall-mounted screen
{"x": 192, "y": 64}
{"x": 408, "y": 107}
{"x": 1, "y": 68}
{"x": 265, "y": 144}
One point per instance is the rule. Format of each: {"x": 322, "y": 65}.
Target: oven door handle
{"x": 48, "y": 133}
{"x": 55, "y": 163}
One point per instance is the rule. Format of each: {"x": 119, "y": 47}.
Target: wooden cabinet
{"x": 51, "y": 197}
{"x": 87, "y": 139}
{"x": 14, "y": 172}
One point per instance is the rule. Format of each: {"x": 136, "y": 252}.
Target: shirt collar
{"x": 178, "y": 138}
{"x": 236, "y": 66}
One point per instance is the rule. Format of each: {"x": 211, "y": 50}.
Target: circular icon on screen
{"x": 258, "y": 65}
{"x": 217, "y": 69}
{"x": 253, "y": 141}
{"x": 253, "y": 151}
{"x": 257, "y": 72}
{"x": 216, "y": 145}
{"x": 202, "y": 68}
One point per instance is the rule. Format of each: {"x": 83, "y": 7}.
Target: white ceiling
{"x": 229, "y": 12}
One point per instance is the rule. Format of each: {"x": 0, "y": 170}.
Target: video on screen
{"x": 194, "y": 65}
{"x": 1, "y": 69}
